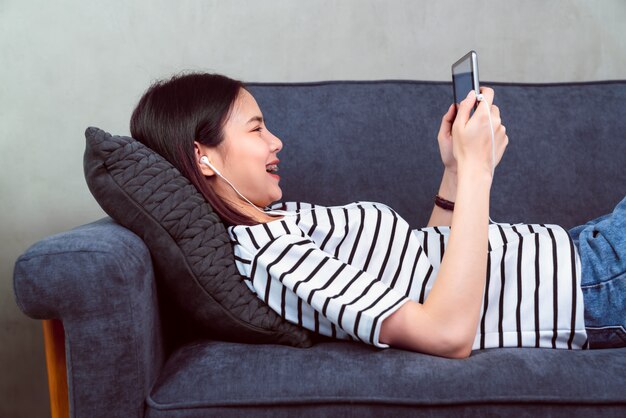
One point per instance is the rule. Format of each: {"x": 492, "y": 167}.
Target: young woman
{"x": 358, "y": 271}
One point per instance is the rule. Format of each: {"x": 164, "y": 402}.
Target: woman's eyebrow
{"x": 255, "y": 119}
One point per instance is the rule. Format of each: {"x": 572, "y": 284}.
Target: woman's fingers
{"x": 501, "y": 149}
{"x": 449, "y": 116}
{"x": 495, "y": 111}
{"x": 444, "y": 138}
{"x": 501, "y": 138}
{"x": 465, "y": 108}
{"x": 447, "y": 120}
{"x": 488, "y": 94}
{"x": 472, "y": 135}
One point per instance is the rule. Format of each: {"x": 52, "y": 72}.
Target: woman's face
{"x": 248, "y": 149}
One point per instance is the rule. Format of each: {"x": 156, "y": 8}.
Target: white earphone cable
{"x": 234, "y": 188}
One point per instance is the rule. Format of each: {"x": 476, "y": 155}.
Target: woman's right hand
{"x": 471, "y": 136}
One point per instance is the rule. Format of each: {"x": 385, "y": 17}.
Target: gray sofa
{"x": 346, "y": 141}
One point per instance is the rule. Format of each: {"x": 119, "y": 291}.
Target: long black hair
{"x": 174, "y": 113}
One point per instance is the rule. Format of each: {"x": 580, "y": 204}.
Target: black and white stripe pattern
{"x": 340, "y": 271}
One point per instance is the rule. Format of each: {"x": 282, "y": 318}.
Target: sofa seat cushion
{"x": 214, "y": 378}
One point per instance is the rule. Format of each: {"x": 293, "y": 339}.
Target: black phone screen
{"x": 465, "y": 76}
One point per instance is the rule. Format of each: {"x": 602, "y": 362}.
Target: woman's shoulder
{"x": 299, "y": 205}
{"x": 299, "y": 212}
{"x": 291, "y": 205}
{"x": 255, "y": 237}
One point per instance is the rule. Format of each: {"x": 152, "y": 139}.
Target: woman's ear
{"x": 201, "y": 151}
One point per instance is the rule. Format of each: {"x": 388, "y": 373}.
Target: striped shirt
{"x": 340, "y": 271}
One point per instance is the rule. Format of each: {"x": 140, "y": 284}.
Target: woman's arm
{"x": 446, "y": 323}
{"x": 447, "y": 190}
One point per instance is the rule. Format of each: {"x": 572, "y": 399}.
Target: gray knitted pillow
{"x": 190, "y": 247}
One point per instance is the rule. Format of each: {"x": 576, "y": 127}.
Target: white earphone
{"x": 205, "y": 160}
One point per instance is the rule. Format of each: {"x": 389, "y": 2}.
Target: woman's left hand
{"x": 445, "y": 140}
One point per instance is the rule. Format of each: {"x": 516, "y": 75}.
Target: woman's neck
{"x": 247, "y": 209}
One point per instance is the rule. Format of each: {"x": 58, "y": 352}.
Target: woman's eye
{"x": 259, "y": 129}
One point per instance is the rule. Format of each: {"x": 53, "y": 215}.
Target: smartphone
{"x": 465, "y": 77}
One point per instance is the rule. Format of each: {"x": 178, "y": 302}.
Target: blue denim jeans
{"x": 602, "y": 247}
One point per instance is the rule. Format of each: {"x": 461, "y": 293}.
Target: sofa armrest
{"x": 98, "y": 280}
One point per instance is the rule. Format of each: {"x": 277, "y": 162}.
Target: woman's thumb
{"x": 465, "y": 108}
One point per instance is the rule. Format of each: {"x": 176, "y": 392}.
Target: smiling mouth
{"x": 272, "y": 168}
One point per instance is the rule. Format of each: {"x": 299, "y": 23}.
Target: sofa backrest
{"x": 376, "y": 140}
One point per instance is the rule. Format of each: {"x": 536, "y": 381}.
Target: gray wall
{"x": 65, "y": 65}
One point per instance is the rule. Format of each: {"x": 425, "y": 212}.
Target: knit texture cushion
{"x": 191, "y": 251}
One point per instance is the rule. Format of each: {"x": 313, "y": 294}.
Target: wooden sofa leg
{"x": 54, "y": 338}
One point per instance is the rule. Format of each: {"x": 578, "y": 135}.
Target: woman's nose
{"x": 278, "y": 144}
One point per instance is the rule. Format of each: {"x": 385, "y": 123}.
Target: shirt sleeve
{"x": 292, "y": 267}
